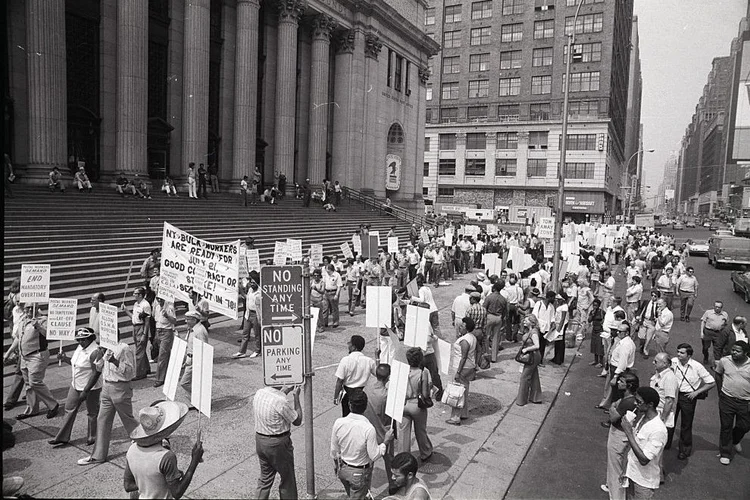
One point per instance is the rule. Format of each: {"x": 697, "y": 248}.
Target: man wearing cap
{"x": 354, "y": 447}
{"x": 353, "y": 372}
{"x": 274, "y": 416}
{"x": 478, "y": 314}
{"x": 195, "y": 331}
{"x": 140, "y": 319}
{"x": 165, "y": 322}
{"x": 333, "y": 285}
{"x": 85, "y": 385}
{"x": 117, "y": 367}
{"x": 150, "y": 466}
{"x": 647, "y": 436}
{"x": 82, "y": 180}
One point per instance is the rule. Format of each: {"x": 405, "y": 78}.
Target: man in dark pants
{"x": 202, "y": 181}
{"x": 734, "y": 399}
{"x": 274, "y": 417}
{"x": 693, "y": 380}
{"x": 353, "y": 372}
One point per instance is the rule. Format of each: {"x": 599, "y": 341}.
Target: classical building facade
{"x": 494, "y": 108}
{"x": 318, "y": 88}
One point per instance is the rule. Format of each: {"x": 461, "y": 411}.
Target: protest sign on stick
{"x": 393, "y": 244}
{"x": 377, "y": 235}
{"x": 185, "y": 258}
{"x": 203, "y": 368}
{"x": 316, "y": 254}
{"x": 107, "y": 325}
{"x": 294, "y": 249}
{"x": 61, "y": 319}
{"x": 35, "y": 280}
{"x": 280, "y": 253}
{"x": 412, "y": 289}
{"x": 347, "y": 251}
{"x": 443, "y": 356}
{"x": 253, "y": 260}
{"x": 398, "y": 381}
{"x": 357, "y": 244}
{"x": 176, "y": 358}
{"x": 378, "y": 312}
{"x": 417, "y": 326}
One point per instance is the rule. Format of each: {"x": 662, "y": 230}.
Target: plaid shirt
{"x": 272, "y": 411}
{"x": 479, "y": 314}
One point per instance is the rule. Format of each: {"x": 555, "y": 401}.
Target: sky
{"x": 678, "y": 39}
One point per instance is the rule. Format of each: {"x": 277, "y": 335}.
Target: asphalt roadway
{"x": 569, "y": 455}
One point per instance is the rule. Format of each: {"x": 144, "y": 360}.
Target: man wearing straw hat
{"x": 150, "y": 466}
{"x": 85, "y": 385}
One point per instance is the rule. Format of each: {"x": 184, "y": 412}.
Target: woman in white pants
{"x": 191, "y": 180}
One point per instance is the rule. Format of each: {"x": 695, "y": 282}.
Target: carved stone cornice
{"x": 290, "y": 10}
{"x": 424, "y": 75}
{"x": 322, "y": 27}
{"x": 373, "y": 45}
{"x": 345, "y": 41}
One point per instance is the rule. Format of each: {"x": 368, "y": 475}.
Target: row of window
{"x": 589, "y": 23}
{"x": 512, "y": 59}
{"x": 540, "y": 85}
{"x": 483, "y": 9}
{"x": 508, "y": 167}
{"x": 509, "y": 140}
{"x": 539, "y": 111}
{"x": 399, "y": 69}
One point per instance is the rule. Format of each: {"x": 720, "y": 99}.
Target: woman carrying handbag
{"x": 529, "y": 387}
{"x": 418, "y": 400}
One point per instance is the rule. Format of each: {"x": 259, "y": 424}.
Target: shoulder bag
{"x": 702, "y": 395}
{"x": 423, "y": 401}
{"x": 523, "y": 357}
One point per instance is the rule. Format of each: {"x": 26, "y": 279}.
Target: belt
{"x": 331, "y": 291}
{"x": 30, "y": 353}
{"x": 712, "y": 329}
{"x": 366, "y": 466}
{"x": 687, "y": 291}
{"x": 283, "y": 434}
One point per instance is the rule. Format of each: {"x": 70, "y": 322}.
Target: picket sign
{"x": 176, "y": 358}
{"x": 203, "y": 368}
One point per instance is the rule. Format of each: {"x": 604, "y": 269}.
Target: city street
{"x": 568, "y": 458}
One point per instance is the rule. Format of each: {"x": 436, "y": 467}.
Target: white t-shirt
{"x": 355, "y": 369}
{"x": 651, "y": 437}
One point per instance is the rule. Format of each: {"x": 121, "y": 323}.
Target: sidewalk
{"x": 475, "y": 460}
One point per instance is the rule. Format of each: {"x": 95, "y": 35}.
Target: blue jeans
{"x": 356, "y": 481}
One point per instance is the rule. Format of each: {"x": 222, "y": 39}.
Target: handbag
{"x": 423, "y": 401}
{"x": 453, "y": 395}
{"x": 523, "y": 357}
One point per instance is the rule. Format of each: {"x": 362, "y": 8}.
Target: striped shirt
{"x": 478, "y": 314}
{"x": 272, "y": 412}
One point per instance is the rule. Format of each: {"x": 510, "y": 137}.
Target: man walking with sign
{"x": 195, "y": 331}
{"x": 274, "y": 417}
{"x": 140, "y": 318}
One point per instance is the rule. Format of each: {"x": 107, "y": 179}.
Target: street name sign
{"x": 282, "y": 355}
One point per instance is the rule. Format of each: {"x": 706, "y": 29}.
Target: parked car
{"x": 690, "y": 224}
{"x": 713, "y": 226}
{"x": 707, "y": 225}
{"x": 730, "y": 250}
{"x": 741, "y": 284}
{"x": 678, "y": 226}
{"x": 697, "y": 247}
{"x": 724, "y": 232}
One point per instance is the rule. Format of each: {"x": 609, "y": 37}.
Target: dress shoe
{"x": 56, "y": 443}
{"x": 53, "y": 412}
{"x": 158, "y": 384}
{"x": 682, "y": 456}
{"x": 606, "y": 425}
{"x": 24, "y": 416}
{"x": 90, "y": 442}
{"x": 453, "y": 422}
{"x": 88, "y": 461}
{"x": 9, "y": 406}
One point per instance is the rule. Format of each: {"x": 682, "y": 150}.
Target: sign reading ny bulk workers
{"x": 211, "y": 269}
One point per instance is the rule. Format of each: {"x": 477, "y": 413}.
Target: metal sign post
{"x": 308, "y": 405}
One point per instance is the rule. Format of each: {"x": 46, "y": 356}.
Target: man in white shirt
{"x": 633, "y": 297}
{"x": 621, "y": 359}
{"x": 96, "y": 299}
{"x": 664, "y": 322}
{"x": 354, "y": 447}
{"x": 647, "y": 436}
{"x": 544, "y": 311}
{"x": 460, "y": 305}
{"x": 165, "y": 320}
{"x": 140, "y": 318}
{"x": 353, "y": 372}
{"x": 693, "y": 380}
{"x": 665, "y": 383}
{"x": 333, "y": 286}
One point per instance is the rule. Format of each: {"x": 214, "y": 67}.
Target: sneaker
{"x": 239, "y": 355}
{"x": 725, "y": 460}
{"x": 88, "y": 461}
{"x": 604, "y": 488}
{"x": 254, "y": 354}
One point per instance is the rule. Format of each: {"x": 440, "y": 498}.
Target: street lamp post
{"x": 557, "y": 240}
{"x": 627, "y": 165}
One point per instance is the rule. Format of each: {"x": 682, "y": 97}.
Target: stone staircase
{"x": 93, "y": 241}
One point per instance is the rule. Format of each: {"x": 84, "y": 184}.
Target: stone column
{"x": 132, "y": 86}
{"x": 289, "y": 12}
{"x": 373, "y": 164}
{"x": 46, "y": 70}
{"x": 343, "y": 96}
{"x": 195, "y": 86}
{"x": 322, "y": 29}
{"x": 245, "y": 88}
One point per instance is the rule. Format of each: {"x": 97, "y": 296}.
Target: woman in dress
{"x": 529, "y": 387}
